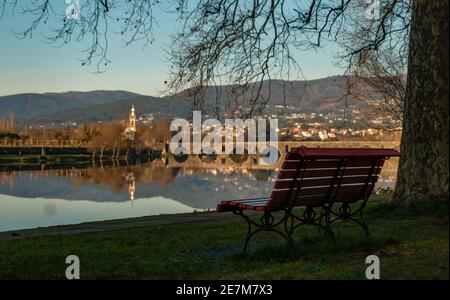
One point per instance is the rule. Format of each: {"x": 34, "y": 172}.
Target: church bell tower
{"x": 132, "y": 120}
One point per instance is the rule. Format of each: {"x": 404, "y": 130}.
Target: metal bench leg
{"x": 267, "y": 224}
{"x": 363, "y": 222}
{"x": 321, "y": 226}
{"x": 309, "y": 217}
{"x": 328, "y": 233}
{"x": 248, "y": 236}
{"x": 345, "y": 213}
{"x": 289, "y": 227}
{"x": 249, "y": 227}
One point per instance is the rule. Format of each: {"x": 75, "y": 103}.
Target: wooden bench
{"x": 317, "y": 179}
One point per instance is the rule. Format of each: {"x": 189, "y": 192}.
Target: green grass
{"x": 411, "y": 244}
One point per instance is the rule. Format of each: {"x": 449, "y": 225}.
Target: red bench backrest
{"x": 312, "y": 176}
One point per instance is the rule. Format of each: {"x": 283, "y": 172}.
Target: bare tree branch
{"x": 246, "y": 43}
{"x": 243, "y": 43}
{"x": 132, "y": 20}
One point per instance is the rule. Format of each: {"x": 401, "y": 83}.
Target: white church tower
{"x": 130, "y": 131}
{"x": 132, "y": 120}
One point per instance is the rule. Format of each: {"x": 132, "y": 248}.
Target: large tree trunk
{"x": 423, "y": 168}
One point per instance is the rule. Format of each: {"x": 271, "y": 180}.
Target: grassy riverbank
{"x": 24, "y": 160}
{"x": 411, "y": 244}
{"x": 64, "y": 161}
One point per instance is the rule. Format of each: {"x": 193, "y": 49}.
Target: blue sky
{"x": 31, "y": 65}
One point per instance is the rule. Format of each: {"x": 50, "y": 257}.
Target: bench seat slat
{"x": 339, "y": 153}
{"x": 253, "y": 204}
{"x": 346, "y": 193}
{"x": 315, "y": 173}
{"x": 328, "y": 163}
{"x": 249, "y": 200}
{"x": 312, "y": 182}
{"x": 346, "y": 152}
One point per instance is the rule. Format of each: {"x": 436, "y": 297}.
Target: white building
{"x": 130, "y": 131}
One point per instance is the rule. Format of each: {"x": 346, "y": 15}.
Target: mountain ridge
{"x": 319, "y": 95}
{"x": 28, "y": 105}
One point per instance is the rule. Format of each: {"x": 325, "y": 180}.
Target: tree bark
{"x": 423, "y": 166}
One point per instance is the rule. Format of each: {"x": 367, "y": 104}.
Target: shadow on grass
{"x": 399, "y": 236}
{"x": 307, "y": 245}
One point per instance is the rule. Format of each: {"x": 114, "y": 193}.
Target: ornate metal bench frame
{"x": 322, "y": 215}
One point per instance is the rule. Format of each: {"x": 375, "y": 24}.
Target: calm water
{"x": 43, "y": 197}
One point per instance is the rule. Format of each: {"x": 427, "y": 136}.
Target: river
{"x": 35, "y": 198}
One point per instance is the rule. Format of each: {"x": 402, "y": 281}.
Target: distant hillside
{"x": 111, "y": 111}
{"x": 26, "y": 106}
{"x": 321, "y": 96}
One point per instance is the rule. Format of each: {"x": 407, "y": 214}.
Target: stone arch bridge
{"x": 250, "y": 161}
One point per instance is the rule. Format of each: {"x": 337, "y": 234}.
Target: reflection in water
{"x": 130, "y": 178}
{"x": 198, "y": 182}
